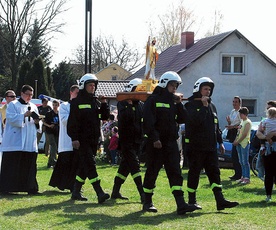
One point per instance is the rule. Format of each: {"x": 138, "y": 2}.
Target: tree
{"x": 173, "y": 24}
{"x": 37, "y": 46}
{"x": 29, "y": 73}
{"x": 218, "y": 18}
{"x": 63, "y": 78}
{"x": 18, "y": 17}
{"x": 105, "y": 51}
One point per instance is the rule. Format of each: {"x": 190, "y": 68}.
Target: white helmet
{"x": 133, "y": 83}
{"x": 87, "y": 78}
{"x": 167, "y": 77}
{"x": 201, "y": 82}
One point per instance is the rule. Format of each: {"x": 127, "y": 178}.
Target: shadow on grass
{"x": 91, "y": 214}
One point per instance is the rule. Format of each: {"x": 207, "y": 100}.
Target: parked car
{"x": 225, "y": 160}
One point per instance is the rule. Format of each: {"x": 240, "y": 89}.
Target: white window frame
{"x": 232, "y": 63}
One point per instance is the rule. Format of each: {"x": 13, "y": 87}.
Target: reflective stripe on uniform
{"x": 94, "y": 180}
{"x": 135, "y": 175}
{"x": 162, "y": 105}
{"x": 214, "y": 185}
{"x": 187, "y": 140}
{"x": 176, "y": 188}
{"x": 148, "y": 190}
{"x": 121, "y": 176}
{"x": 191, "y": 190}
{"x": 85, "y": 106}
{"x": 80, "y": 179}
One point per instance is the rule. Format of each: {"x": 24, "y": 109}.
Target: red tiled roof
{"x": 110, "y": 88}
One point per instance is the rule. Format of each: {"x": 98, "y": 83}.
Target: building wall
{"x": 259, "y": 81}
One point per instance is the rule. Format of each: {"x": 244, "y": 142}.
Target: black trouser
{"x": 168, "y": 156}
{"x": 87, "y": 163}
{"x": 270, "y": 172}
{"x": 236, "y": 163}
{"x": 199, "y": 160}
{"x": 129, "y": 162}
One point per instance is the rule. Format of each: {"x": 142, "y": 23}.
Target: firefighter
{"x": 130, "y": 139}
{"x": 201, "y": 138}
{"x": 163, "y": 111}
{"x": 86, "y": 113}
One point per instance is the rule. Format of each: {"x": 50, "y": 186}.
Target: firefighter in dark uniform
{"x": 163, "y": 111}
{"x": 86, "y": 113}
{"x": 201, "y": 138}
{"x": 130, "y": 118}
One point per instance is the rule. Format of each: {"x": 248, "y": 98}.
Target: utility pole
{"x": 88, "y": 36}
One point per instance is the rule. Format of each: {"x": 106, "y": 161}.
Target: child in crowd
{"x": 113, "y": 145}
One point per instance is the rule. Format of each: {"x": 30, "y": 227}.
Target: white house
{"x": 237, "y": 67}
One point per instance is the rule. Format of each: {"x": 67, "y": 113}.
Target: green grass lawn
{"x": 53, "y": 209}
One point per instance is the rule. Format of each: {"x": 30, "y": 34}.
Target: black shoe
{"x": 234, "y": 178}
{"x": 198, "y": 207}
{"x": 102, "y": 198}
{"x": 78, "y": 196}
{"x": 186, "y": 208}
{"x": 226, "y": 204}
{"x": 34, "y": 192}
{"x": 118, "y": 196}
{"x": 149, "y": 208}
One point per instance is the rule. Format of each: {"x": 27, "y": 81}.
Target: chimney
{"x": 187, "y": 39}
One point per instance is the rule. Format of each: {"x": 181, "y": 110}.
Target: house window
{"x": 114, "y": 77}
{"x": 251, "y": 105}
{"x": 233, "y": 64}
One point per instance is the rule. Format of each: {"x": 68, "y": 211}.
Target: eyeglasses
{"x": 29, "y": 94}
{"x": 11, "y": 96}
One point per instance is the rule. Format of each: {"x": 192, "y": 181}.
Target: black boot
{"x": 102, "y": 196}
{"x": 139, "y": 185}
{"x": 192, "y": 200}
{"x": 148, "y": 205}
{"x": 182, "y": 206}
{"x": 222, "y": 203}
{"x": 116, "y": 192}
{"x": 76, "y": 194}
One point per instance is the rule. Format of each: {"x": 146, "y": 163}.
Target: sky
{"x": 131, "y": 20}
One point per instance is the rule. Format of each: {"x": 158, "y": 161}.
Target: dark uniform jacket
{"x": 162, "y": 116}
{"x": 84, "y": 118}
{"x": 202, "y": 128}
{"x": 130, "y": 118}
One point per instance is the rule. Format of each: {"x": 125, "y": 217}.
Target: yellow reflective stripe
{"x": 133, "y": 108}
{"x": 215, "y": 120}
{"x": 187, "y": 140}
{"x": 145, "y": 135}
{"x": 100, "y": 116}
{"x": 136, "y": 175}
{"x": 191, "y": 190}
{"x": 121, "y": 176}
{"x": 85, "y": 106}
{"x": 148, "y": 190}
{"x": 197, "y": 109}
{"x": 162, "y": 105}
{"x": 94, "y": 180}
{"x": 142, "y": 119}
{"x": 216, "y": 185}
{"x": 80, "y": 179}
{"x": 176, "y": 188}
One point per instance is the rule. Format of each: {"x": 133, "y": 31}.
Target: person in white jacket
{"x": 64, "y": 173}
{"x": 19, "y": 146}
